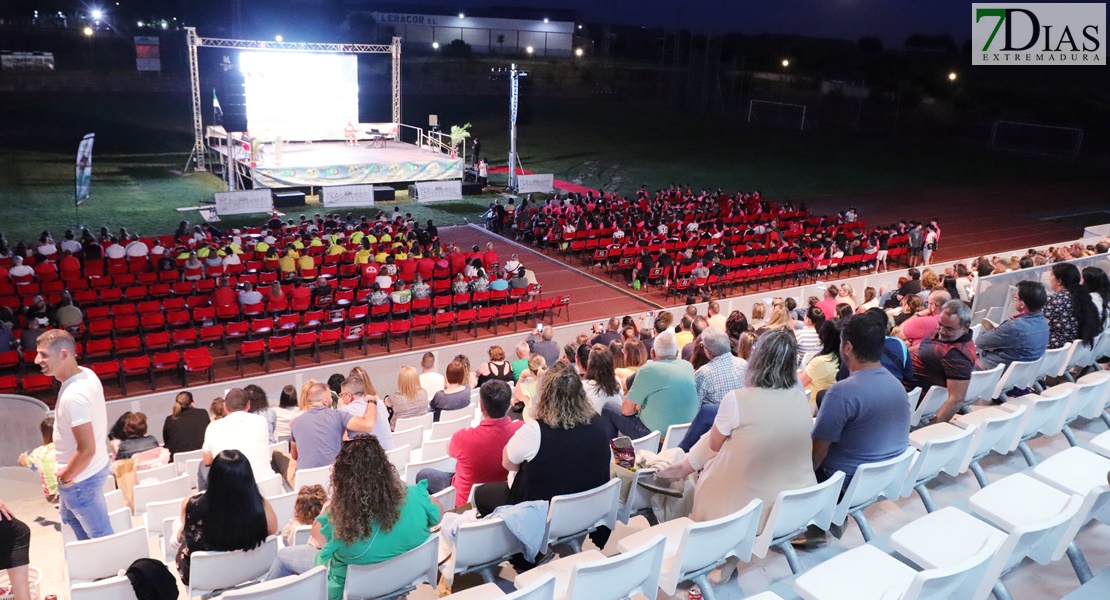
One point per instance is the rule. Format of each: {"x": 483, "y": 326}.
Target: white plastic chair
{"x": 674, "y": 436}
{"x": 1082, "y": 355}
{"x": 867, "y": 572}
{"x": 948, "y": 537}
{"x": 396, "y": 576}
{"x": 103, "y": 557}
{"x": 1045, "y": 416}
{"x": 1055, "y": 361}
{"x": 413, "y": 436}
{"x": 929, "y": 405}
{"x": 982, "y": 384}
{"x": 794, "y": 511}
{"x": 432, "y": 450}
{"x": 271, "y": 486}
{"x": 283, "y": 505}
{"x": 1081, "y": 472}
{"x": 282, "y": 445}
{"x": 301, "y": 534}
{"x": 114, "y": 500}
{"x": 210, "y": 572}
{"x": 482, "y": 545}
{"x": 162, "y": 473}
{"x": 872, "y": 481}
{"x": 120, "y": 520}
{"x": 1042, "y": 525}
{"x": 446, "y": 498}
{"x": 1087, "y": 401}
{"x": 1019, "y": 374}
{"x": 445, "y": 464}
{"x": 996, "y": 430}
{"x": 1101, "y": 444}
{"x": 315, "y": 476}
{"x": 156, "y": 512}
{"x": 1096, "y": 411}
{"x": 310, "y": 585}
{"x": 638, "y": 500}
{"x": 941, "y": 447}
{"x": 694, "y": 549}
{"x": 649, "y": 442}
{"x": 542, "y": 589}
{"x": 192, "y": 469}
{"x": 181, "y": 458}
{"x": 914, "y": 398}
{"x": 424, "y": 422}
{"x": 112, "y": 588}
{"x": 591, "y": 576}
{"x": 571, "y": 517}
{"x": 443, "y": 430}
{"x": 145, "y": 493}
{"x": 399, "y": 456}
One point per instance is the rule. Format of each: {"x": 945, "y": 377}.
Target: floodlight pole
{"x": 514, "y": 104}
{"x": 197, "y": 157}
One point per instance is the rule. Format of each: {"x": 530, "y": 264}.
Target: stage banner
{"x": 244, "y": 203}
{"x": 356, "y": 174}
{"x": 348, "y": 195}
{"x": 526, "y": 184}
{"x": 83, "y": 179}
{"x": 433, "y": 191}
{"x": 148, "y": 53}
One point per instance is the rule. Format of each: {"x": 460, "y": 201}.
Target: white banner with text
{"x": 527, "y": 184}
{"x": 244, "y": 202}
{"x": 432, "y": 191}
{"x": 348, "y": 195}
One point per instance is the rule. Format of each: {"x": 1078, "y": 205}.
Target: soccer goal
{"x": 778, "y": 114}
{"x": 1035, "y": 138}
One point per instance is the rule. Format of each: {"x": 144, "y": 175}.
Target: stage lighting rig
{"x": 513, "y": 75}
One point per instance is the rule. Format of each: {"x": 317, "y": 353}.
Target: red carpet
{"x": 562, "y": 185}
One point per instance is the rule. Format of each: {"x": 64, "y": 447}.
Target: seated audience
{"x": 456, "y": 394}
{"x": 309, "y": 505}
{"x": 1071, "y": 313}
{"x": 410, "y": 399}
{"x": 230, "y": 515}
{"x": 1023, "y": 337}
{"x": 600, "y": 380}
{"x": 527, "y": 388}
{"x": 430, "y": 381}
{"x": 497, "y": 367}
{"x": 663, "y": 394}
{"x": 372, "y": 516}
{"x": 316, "y": 436}
{"x": 923, "y": 324}
{"x": 820, "y": 372}
{"x": 135, "y": 438}
{"x": 239, "y": 430}
{"x": 287, "y": 409}
{"x": 358, "y": 397}
{"x": 947, "y": 358}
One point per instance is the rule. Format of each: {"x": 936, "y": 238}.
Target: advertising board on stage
{"x": 527, "y": 184}
{"x": 244, "y": 202}
{"x": 348, "y": 195}
{"x": 431, "y": 191}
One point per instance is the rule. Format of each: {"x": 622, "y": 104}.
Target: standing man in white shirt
{"x": 431, "y": 381}
{"x": 80, "y": 436}
{"x": 239, "y": 430}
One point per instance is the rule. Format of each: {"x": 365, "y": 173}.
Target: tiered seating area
{"x": 141, "y": 323}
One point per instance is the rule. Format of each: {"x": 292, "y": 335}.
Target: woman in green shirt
{"x": 372, "y": 516}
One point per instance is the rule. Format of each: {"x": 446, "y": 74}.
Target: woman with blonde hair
{"x": 410, "y": 400}
{"x": 848, "y": 296}
{"x": 780, "y": 319}
{"x": 564, "y": 451}
{"x": 759, "y": 311}
{"x": 302, "y": 398}
{"x": 527, "y": 386}
{"x": 745, "y": 344}
{"x": 870, "y": 300}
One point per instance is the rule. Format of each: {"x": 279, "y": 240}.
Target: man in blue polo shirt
{"x": 866, "y": 417}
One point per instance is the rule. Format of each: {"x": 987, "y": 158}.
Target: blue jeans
{"x": 292, "y": 560}
{"x": 617, "y": 424}
{"x": 700, "y": 426}
{"x": 437, "y": 480}
{"x": 84, "y": 509}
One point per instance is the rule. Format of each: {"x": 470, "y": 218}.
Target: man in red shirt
{"x": 478, "y": 450}
{"x": 489, "y": 256}
{"x": 69, "y": 264}
{"x": 224, "y": 296}
{"x": 828, "y": 304}
{"x": 458, "y": 261}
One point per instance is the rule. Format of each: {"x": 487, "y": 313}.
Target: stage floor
{"x": 336, "y": 163}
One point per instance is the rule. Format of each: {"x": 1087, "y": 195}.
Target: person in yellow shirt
{"x": 385, "y": 238}
{"x": 370, "y": 237}
{"x": 298, "y": 244}
{"x": 288, "y": 263}
{"x": 261, "y": 247}
{"x": 363, "y": 255}
{"x": 356, "y": 237}
{"x": 204, "y": 251}
{"x": 335, "y": 249}
{"x": 306, "y": 263}
{"x": 316, "y": 241}
{"x": 381, "y": 255}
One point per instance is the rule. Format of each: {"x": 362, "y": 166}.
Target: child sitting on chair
{"x": 310, "y": 503}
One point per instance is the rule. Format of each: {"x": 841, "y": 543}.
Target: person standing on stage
{"x": 351, "y": 134}
{"x": 476, "y": 146}
{"x": 80, "y": 436}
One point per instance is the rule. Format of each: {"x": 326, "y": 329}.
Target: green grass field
{"x": 142, "y": 145}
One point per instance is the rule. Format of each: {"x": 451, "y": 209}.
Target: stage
{"x": 335, "y": 163}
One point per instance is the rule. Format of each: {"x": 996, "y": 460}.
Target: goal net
{"x": 1034, "y": 138}
{"x": 777, "y": 114}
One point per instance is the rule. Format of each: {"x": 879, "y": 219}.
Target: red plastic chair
{"x": 36, "y": 382}
{"x": 195, "y": 360}
{"x": 135, "y": 366}
{"x": 277, "y": 345}
{"x": 251, "y": 349}
{"x": 302, "y": 341}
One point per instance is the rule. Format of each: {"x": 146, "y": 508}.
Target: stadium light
{"x": 279, "y": 38}
{"x": 462, "y": 15}
{"x": 546, "y": 20}
{"x": 578, "y": 52}
{"x": 140, "y": 23}
{"x": 580, "y": 27}
{"x": 97, "y": 14}
{"x": 435, "y": 45}
{"x": 88, "y": 31}
{"x": 952, "y": 76}
{"x": 785, "y": 63}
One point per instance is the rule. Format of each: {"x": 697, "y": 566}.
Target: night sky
{"x": 890, "y": 20}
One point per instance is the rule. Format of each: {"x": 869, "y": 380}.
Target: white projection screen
{"x": 300, "y": 96}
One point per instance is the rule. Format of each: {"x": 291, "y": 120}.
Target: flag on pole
{"x": 83, "y": 178}
{"x": 217, "y": 111}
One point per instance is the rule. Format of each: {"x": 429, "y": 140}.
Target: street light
{"x": 462, "y": 15}
{"x": 529, "y": 49}
{"x": 435, "y": 45}
{"x": 88, "y": 31}
{"x": 97, "y": 14}
{"x": 546, "y": 20}
{"x": 785, "y": 63}
{"x": 952, "y": 76}
{"x": 278, "y": 38}
{"x": 578, "y": 52}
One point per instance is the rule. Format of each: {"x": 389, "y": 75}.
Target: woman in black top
{"x": 135, "y": 438}
{"x": 497, "y": 367}
{"x": 184, "y": 429}
{"x": 230, "y": 515}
